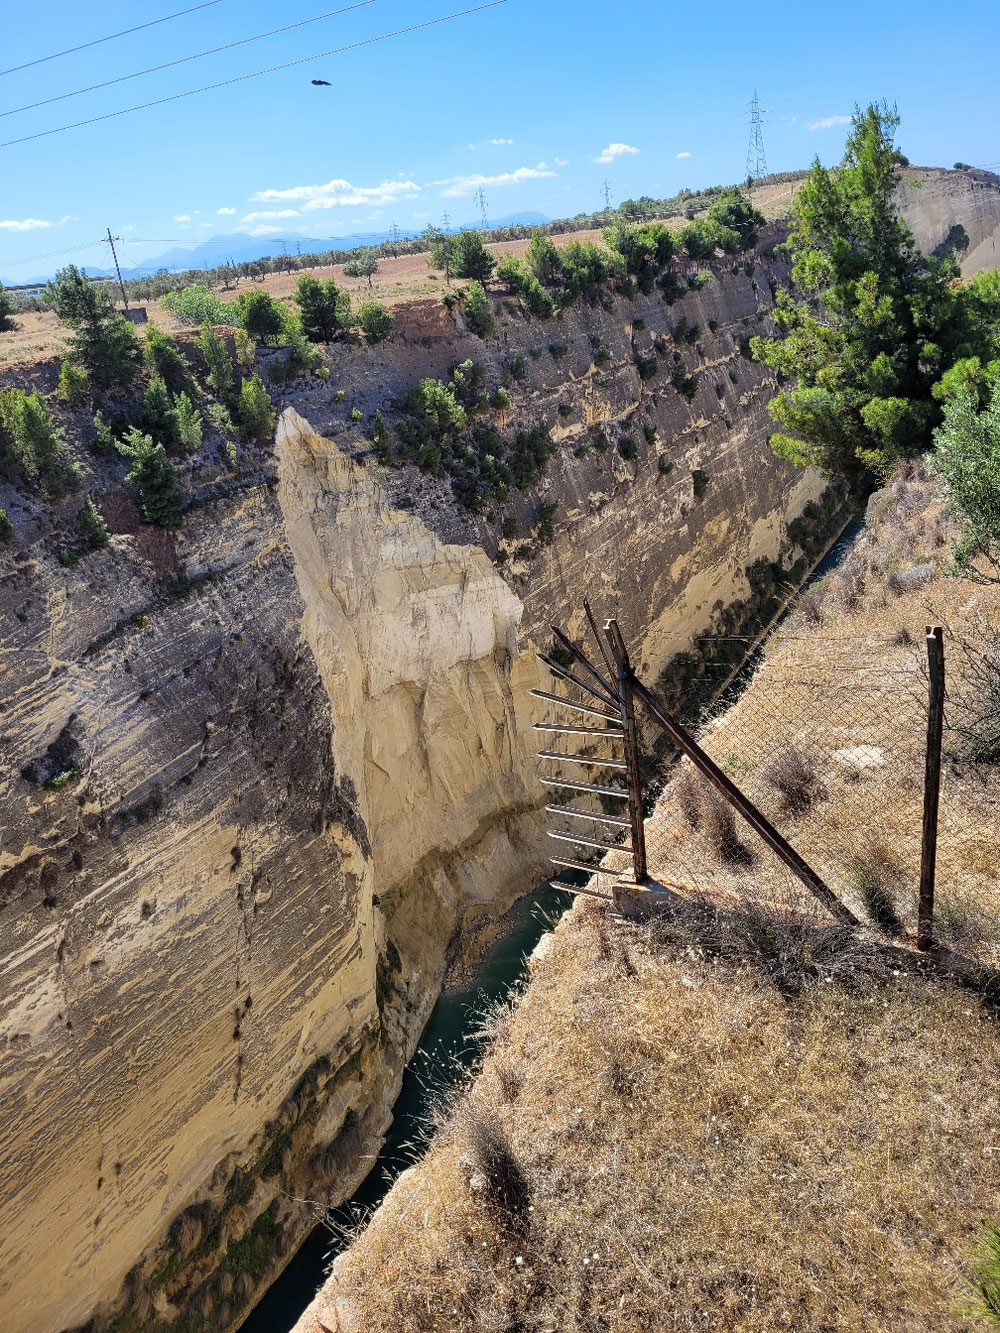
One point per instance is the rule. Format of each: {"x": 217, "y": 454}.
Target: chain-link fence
{"x": 830, "y": 745}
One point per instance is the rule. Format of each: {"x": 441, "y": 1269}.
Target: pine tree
{"x": 72, "y": 388}
{"x": 161, "y": 498}
{"x": 261, "y": 316}
{"x": 218, "y": 363}
{"x": 363, "y": 264}
{"x": 470, "y": 258}
{"x": 376, "y": 322}
{"x": 158, "y": 417}
{"x": 382, "y": 439}
{"x": 165, "y": 358}
{"x": 325, "y": 311}
{"x": 187, "y": 422}
{"x": 257, "y": 415}
{"x": 478, "y": 319}
{"x": 91, "y": 523}
{"x": 32, "y": 443}
{"x": 103, "y": 343}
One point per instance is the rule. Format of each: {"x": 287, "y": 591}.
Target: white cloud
{"x": 498, "y": 142}
{"x": 182, "y": 217}
{"x": 562, "y": 161}
{"x": 340, "y": 194}
{"x": 29, "y": 224}
{"x": 251, "y": 223}
{"x": 471, "y": 147}
{"x": 459, "y": 185}
{"x": 263, "y": 230}
{"x": 614, "y": 150}
{"x": 224, "y": 212}
{"x": 828, "y": 122}
{"x": 683, "y": 154}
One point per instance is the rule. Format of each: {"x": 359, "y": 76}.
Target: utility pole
{"x": 480, "y": 197}
{"x": 756, "y": 161}
{"x": 114, "y": 256}
{"x": 606, "y": 187}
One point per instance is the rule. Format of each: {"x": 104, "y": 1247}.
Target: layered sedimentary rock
{"x": 257, "y": 775}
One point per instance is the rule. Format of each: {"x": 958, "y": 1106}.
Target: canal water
{"x": 448, "y": 1047}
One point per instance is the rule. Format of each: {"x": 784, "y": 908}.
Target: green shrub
{"x": 500, "y": 401}
{"x": 469, "y": 257}
{"x": 187, "y": 420}
{"x": 647, "y": 366}
{"x": 522, "y": 552}
{"x": 699, "y": 481}
{"x": 382, "y": 439}
{"x": 515, "y": 369}
{"x": 650, "y": 433}
{"x": 245, "y": 348}
{"x": 628, "y": 448}
{"x": 161, "y": 499}
{"x": 478, "y": 319}
{"x": 165, "y": 358}
{"x": 157, "y": 417}
{"x": 324, "y": 310}
{"x": 103, "y": 343}
{"x": 72, "y": 387}
{"x": 33, "y": 445}
{"x": 664, "y": 468}
{"x": 545, "y": 521}
{"x": 260, "y": 314}
{"x": 198, "y": 304}
{"x": 509, "y": 527}
{"x": 8, "y": 307}
{"x": 6, "y": 529}
{"x": 557, "y": 351}
{"x": 218, "y": 363}
{"x": 256, "y": 411}
{"x": 91, "y": 523}
{"x": 600, "y": 440}
{"x": 376, "y": 322}
{"x": 356, "y": 414}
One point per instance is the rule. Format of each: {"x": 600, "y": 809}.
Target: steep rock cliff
{"x": 257, "y": 775}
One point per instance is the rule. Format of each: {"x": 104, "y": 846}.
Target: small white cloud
{"x": 459, "y": 185}
{"x": 683, "y": 154}
{"x": 471, "y": 147}
{"x": 267, "y": 215}
{"x": 614, "y": 150}
{"x": 340, "y": 194}
{"x": 498, "y": 142}
{"x": 828, "y": 122}
{"x": 562, "y": 161}
{"x": 224, "y": 212}
{"x": 182, "y": 217}
{"x": 29, "y": 224}
{"x": 130, "y": 227}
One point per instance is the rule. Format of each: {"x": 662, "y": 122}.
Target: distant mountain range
{"x": 239, "y": 249}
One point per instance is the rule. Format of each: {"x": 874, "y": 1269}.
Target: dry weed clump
{"x": 708, "y": 1140}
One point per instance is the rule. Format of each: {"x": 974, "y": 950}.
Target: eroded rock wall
{"x": 256, "y": 776}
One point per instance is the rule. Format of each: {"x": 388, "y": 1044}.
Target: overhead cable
{"x": 70, "y": 50}
{"x": 183, "y": 60}
{"x": 241, "y": 78}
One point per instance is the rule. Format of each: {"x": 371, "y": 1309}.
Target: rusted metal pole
{"x": 625, "y": 677}
{"x": 932, "y": 785}
{"x": 686, "y": 743}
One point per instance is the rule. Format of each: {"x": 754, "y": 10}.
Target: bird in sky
{"x": 322, "y": 83}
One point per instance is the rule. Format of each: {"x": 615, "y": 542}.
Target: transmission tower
{"x": 394, "y": 233}
{"x": 606, "y": 188}
{"x": 756, "y": 161}
{"x": 446, "y": 220}
{"x": 481, "y": 201}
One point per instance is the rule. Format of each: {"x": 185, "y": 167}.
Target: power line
{"x": 51, "y": 254}
{"x": 183, "y": 60}
{"x": 242, "y": 78}
{"x": 110, "y": 38}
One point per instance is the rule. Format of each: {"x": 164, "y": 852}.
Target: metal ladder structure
{"x": 611, "y": 695}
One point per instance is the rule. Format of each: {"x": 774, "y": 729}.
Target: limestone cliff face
{"x": 954, "y": 212}
{"x": 258, "y": 775}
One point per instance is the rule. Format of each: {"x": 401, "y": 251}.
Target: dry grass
{"x": 703, "y": 1148}
{"x": 738, "y": 1118}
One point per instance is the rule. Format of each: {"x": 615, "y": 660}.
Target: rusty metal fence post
{"x": 932, "y": 785}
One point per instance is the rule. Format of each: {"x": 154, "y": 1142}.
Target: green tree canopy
{"x": 874, "y": 323}
{"x": 257, "y": 415}
{"x": 260, "y": 314}
{"x": 324, "y": 310}
{"x": 734, "y": 212}
{"x": 967, "y": 464}
{"x": 645, "y": 251}
{"x": 161, "y": 498}
{"x": 8, "y": 307}
{"x": 363, "y": 264}
{"x": 375, "y": 321}
{"x": 469, "y": 256}
{"x": 478, "y": 319}
{"x": 103, "y": 343}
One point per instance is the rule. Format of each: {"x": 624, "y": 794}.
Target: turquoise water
{"x": 448, "y": 1047}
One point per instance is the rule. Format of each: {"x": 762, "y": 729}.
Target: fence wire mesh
{"x": 831, "y": 747}
{"x": 830, "y": 744}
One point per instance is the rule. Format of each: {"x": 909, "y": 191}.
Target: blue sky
{"x": 536, "y": 101}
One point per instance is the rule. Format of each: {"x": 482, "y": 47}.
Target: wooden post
{"x": 624, "y": 671}
{"x": 932, "y": 785}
